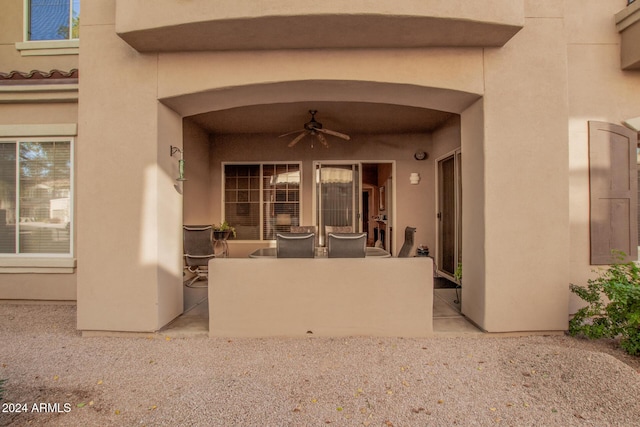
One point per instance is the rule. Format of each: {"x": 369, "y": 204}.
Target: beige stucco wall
{"x": 446, "y": 79}
{"x": 523, "y": 111}
{"x": 198, "y": 205}
{"x": 526, "y": 176}
{"x": 474, "y": 294}
{"x": 135, "y": 15}
{"x": 129, "y": 213}
{"x": 11, "y": 25}
{"x": 598, "y": 90}
{"x": 37, "y": 280}
{"x": 201, "y": 25}
{"x": 18, "y": 114}
{"x": 321, "y": 297}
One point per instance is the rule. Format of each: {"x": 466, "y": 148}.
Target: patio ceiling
{"x": 346, "y": 117}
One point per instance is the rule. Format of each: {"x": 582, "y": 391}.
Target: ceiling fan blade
{"x": 323, "y": 140}
{"x": 296, "y": 139}
{"x": 334, "y": 133}
{"x": 291, "y": 133}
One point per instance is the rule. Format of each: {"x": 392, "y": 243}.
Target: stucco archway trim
{"x": 321, "y": 90}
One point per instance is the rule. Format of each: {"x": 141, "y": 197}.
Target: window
{"x": 53, "y": 19}
{"x": 35, "y": 197}
{"x": 261, "y": 199}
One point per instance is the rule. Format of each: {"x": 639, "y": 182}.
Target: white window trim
{"x": 261, "y": 164}
{"x": 43, "y": 263}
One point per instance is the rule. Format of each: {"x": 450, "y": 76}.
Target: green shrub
{"x": 1, "y": 387}
{"x": 619, "y": 314}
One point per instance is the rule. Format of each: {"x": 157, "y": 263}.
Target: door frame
{"x": 391, "y": 198}
{"x": 456, "y": 155}
{"x": 357, "y": 206}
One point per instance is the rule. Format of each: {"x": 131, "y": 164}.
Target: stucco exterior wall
{"x": 598, "y": 90}
{"x": 521, "y": 121}
{"x": 20, "y": 112}
{"x": 473, "y": 213}
{"x": 446, "y": 79}
{"x": 198, "y": 205}
{"x": 129, "y": 214}
{"x": 11, "y": 23}
{"x": 525, "y": 151}
{"x": 321, "y": 297}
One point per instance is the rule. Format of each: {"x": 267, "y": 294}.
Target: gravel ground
{"x": 156, "y": 381}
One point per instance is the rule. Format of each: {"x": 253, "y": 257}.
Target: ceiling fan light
{"x": 313, "y": 127}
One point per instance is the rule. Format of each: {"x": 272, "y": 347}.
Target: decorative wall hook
{"x": 175, "y": 150}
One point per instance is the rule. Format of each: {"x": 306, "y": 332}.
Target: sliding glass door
{"x": 337, "y": 195}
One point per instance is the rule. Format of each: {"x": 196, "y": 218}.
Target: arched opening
{"x": 388, "y": 123}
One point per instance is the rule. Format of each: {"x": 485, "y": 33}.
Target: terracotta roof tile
{"x": 39, "y": 77}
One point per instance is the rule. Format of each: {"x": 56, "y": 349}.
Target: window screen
{"x": 261, "y": 199}
{"x": 54, "y": 19}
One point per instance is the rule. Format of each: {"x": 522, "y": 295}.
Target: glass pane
{"x": 274, "y": 209}
{"x": 242, "y": 207}
{"x": 8, "y": 198}
{"x": 279, "y": 211}
{"x": 45, "y": 197}
{"x": 337, "y": 192}
{"x": 49, "y": 19}
{"x": 75, "y": 23}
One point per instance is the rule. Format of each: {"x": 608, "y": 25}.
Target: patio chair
{"x": 409, "y": 232}
{"x": 347, "y": 245}
{"x": 198, "y": 250}
{"x": 306, "y": 229}
{"x": 295, "y": 245}
{"x": 338, "y": 229}
{"x": 335, "y": 229}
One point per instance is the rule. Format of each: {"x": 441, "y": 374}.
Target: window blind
{"x": 35, "y": 197}
{"x": 262, "y": 199}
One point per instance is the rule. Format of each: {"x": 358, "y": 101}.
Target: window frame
{"x": 43, "y": 262}
{"x": 28, "y": 47}
{"x": 261, "y": 190}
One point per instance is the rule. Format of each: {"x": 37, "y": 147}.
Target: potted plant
{"x": 223, "y": 230}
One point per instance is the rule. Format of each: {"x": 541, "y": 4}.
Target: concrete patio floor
{"x": 447, "y": 320}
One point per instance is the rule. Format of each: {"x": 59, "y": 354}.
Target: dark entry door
{"x": 447, "y": 215}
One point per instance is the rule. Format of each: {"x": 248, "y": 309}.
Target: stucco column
{"x": 526, "y": 176}
{"x": 129, "y": 214}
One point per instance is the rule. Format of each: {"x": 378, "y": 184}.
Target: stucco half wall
{"x": 323, "y": 297}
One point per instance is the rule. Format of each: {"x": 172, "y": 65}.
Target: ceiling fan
{"x": 314, "y": 128}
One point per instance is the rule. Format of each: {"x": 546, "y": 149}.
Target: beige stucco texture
{"x": 321, "y": 297}
{"x": 512, "y": 280}
{"x": 38, "y": 111}
{"x": 515, "y": 82}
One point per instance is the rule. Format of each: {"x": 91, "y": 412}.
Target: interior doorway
{"x": 358, "y": 195}
{"x": 449, "y": 213}
{"x": 377, "y": 181}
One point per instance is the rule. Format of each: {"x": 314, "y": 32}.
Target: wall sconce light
{"x": 414, "y": 178}
{"x": 175, "y": 150}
